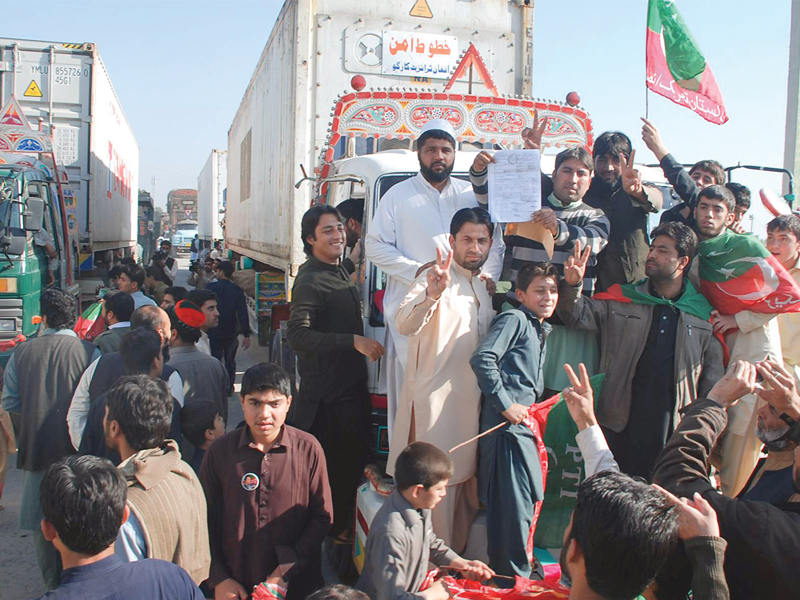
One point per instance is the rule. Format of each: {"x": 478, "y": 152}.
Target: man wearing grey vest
{"x": 40, "y": 379}
{"x": 168, "y": 517}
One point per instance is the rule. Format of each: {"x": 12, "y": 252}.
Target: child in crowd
{"x": 508, "y": 365}
{"x": 201, "y": 423}
{"x": 401, "y": 541}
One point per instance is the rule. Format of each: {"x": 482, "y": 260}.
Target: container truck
{"x": 211, "y": 185}
{"x": 65, "y": 88}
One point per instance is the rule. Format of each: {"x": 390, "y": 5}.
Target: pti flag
{"x": 738, "y": 273}
{"x": 90, "y": 324}
{"x": 676, "y": 69}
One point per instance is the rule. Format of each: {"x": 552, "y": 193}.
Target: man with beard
{"x": 656, "y": 346}
{"x": 445, "y": 314}
{"x": 352, "y": 211}
{"x": 412, "y": 220}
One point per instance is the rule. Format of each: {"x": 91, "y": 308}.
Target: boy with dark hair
{"x": 173, "y": 295}
{"x": 117, "y": 311}
{"x": 508, "y": 365}
{"x": 783, "y": 242}
{"x": 83, "y": 500}
{"x": 352, "y": 211}
{"x": 202, "y": 423}
{"x": 741, "y": 194}
{"x": 131, "y": 280}
{"x": 401, "y": 541}
{"x": 232, "y": 317}
{"x": 269, "y": 502}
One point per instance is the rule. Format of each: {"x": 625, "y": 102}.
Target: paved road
{"x": 19, "y": 571}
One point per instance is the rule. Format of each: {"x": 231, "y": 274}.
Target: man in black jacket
{"x": 763, "y": 539}
{"x": 224, "y": 338}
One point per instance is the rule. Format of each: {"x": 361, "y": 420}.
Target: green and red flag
{"x": 691, "y": 301}
{"x": 676, "y": 69}
{"x": 738, "y": 273}
{"x": 90, "y": 324}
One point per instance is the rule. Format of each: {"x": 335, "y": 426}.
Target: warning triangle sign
{"x": 12, "y": 114}
{"x": 421, "y": 9}
{"x": 33, "y": 90}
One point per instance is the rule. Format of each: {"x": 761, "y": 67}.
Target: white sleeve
{"x": 130, "y": 545}
{"x": 494, "y": 264}
{"x": 79, "y": 407}
{"x": 595, "y": 451}
{"x": 381, "y": 245}
{"x": 175, "y": 384}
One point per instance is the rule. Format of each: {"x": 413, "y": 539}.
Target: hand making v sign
{"x": 439, "y": 275}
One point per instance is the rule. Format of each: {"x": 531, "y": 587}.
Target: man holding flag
{"x": 657, "y": 346}
{"x": 747, "y": 286}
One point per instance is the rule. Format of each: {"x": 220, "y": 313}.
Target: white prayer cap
{"x": 440, "y": 125}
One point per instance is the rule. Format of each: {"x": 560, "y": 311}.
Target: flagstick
{"x": 477, "y": 437}
{"x": 646, "y": 101}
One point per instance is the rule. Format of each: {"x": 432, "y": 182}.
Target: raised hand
{"x": 631, "y": 178}
{"x": 696, "y": 518}
{"x": 580, "y": 398}
{"x": 781, "y": 392}
{"x": 652, "y": 140}
{"x": 532, "y": 136}
{"x": 547, "y": 217}
{"x": 575, "y": 267}
{"x": 482, "y": 160}
{"x": 439, "y": 274}
{"x": 739, "y": 381}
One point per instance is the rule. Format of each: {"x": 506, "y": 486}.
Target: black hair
{"x": 352, "y": 208}
{"x": 422, "y": 464}
{"x": 685, "y": 239}
{"x": 200, "y": 297}
{"x": 187, "y": 334}
{"x": 718, "y": 192}
{"x": 83, "y": 498}
{"x": 435, "y": 134}
{"x": 154, "y": 272}
{"x": 114, "y": 272}
{"x": 196, "y": 418}
{"x": 308, "y": 225}
{"x": 147, "y": 317}
{"x": 741, "y": 193}
{"x": 613, "y": 143}
{"x": 128, "y": 261}
{"x": 135, "y": 274}
{"x": 226, "y": 267}
{"x": 626, "y": 530}
{"x": 712, "y": 167}
{"x": 178, "y": 292}
{"x": 120, "y": 303}
{"x": 338, "y": 592}
{"x": 266, "y": 376}
{"x": 59, "y": 307}
{"x": 533, "y": 270}
{"x": 165, "y": 243}
{"x": 578, "y": 153}
{"x": 476, "y": 215}
{"x": 138, "y": 349}
{"x": 208, "y": 259}
{"x": 790, "y": 223}
{"x": 142, "y": 406}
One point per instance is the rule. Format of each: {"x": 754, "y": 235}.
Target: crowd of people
{"x": 681, "y": 385}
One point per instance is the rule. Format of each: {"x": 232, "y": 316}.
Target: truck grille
{"x": 11, "y": 308}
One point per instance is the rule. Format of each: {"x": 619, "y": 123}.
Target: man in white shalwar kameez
{"x": 445, "y": 315}
{"x": 411, "y": 222}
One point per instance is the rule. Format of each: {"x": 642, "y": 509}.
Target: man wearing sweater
{"x": 167, "y": 504}
{"x": 117, "y": 311}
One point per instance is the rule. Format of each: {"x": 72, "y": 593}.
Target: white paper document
{"x": 515, "y": 185}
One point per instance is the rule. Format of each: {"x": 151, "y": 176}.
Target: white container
{"x": 66, "y": 86}
{"x": 211, "y": 185}
{"x": 315, "y": 48}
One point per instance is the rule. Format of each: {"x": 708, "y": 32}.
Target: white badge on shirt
{"x": 250, "y": 482}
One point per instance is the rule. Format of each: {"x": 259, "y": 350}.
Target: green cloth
{"x": 691, "y": 301}
{"x": 571, "y": 347}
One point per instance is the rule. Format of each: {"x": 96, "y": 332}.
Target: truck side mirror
{"x": 34, "y": 213}
{"x": 13, "y": 241}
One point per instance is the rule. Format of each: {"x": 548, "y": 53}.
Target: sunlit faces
{"x": 429, "y": 497}
{"x": 712, "y": 216}
{"x": 541, "y": 296}
{"x": 571, "y": 181}
{"x": 211, "y": 312}
{"x": 703, "y": 179}
{"x": 608, "y": 168}
{"x": 784, "y": 245}
{"x": 125, "y": 284}
{"x": 471, "y": 246}
{"x": 770, "y": 428}
{"x": 265, "y": 413}
{"x": 663, "y": 261}
{"x": 436, "y": 160}
{"x": 328, "y": 240}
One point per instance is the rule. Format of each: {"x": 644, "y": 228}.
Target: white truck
{"x": 211, "y": 191}
{"x": 65, "y": 87}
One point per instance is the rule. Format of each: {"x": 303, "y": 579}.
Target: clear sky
{"x": 180, "y": 69}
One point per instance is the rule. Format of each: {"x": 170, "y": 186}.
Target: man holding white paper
{"x": 565, "y": 216}
{"x": 411, "y": 222}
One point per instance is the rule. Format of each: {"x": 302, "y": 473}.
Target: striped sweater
{"x": 576, "y": 222}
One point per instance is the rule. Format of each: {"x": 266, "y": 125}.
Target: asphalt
{"x": 19, "y": 570}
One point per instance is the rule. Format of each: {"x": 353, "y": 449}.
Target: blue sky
{"x": 180, "y": 69}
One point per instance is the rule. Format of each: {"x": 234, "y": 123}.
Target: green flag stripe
{"x": 684, "y": 59}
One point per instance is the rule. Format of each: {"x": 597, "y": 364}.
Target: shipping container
{"x": 211, "y": 185}
{"x": 314, "y": 50}
{"x": 66, "y": 87}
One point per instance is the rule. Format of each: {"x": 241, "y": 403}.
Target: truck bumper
{"x": 7, "y": 349}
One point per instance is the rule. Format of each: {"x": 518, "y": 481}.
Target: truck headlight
{"x": 8, "y": 324}
{"x": 8, "y": 285}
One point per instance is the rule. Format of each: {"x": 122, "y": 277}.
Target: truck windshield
{"x": 9, "y": 190}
